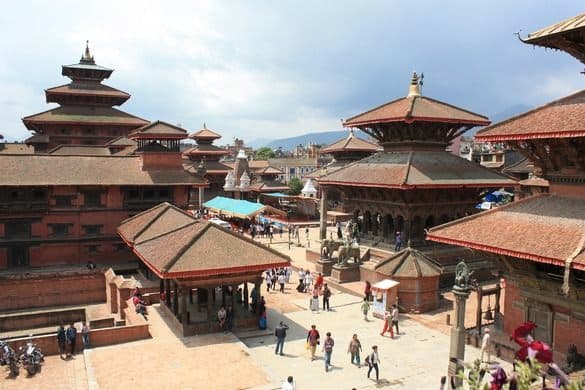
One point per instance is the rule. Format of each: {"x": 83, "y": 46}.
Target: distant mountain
{"x": 502, "y": 115}
{"x": 321, "y": 138}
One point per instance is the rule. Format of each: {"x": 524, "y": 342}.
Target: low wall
{"x": 312, "y": 255}
{"x": 69, "y": 288}
{"x": 10, "y": 322}
{"x": 98, "y": 338}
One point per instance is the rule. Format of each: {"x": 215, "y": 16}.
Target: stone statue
{"x": 348, "y": 251}
{"x": 462, "y": 275}
{"x": 331, "y": 245}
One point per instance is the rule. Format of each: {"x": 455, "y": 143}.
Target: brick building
{"x": 541, "y": 247}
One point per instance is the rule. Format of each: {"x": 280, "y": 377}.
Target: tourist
{"x": 289, "y": 384}
{"x": 85, "y": 329}
{"x": 373, "y": 361}
{"x": 229, "y": 318}
{"x": 288, "y": 274}
{"x": 141, "y": 308}
{"x": 301, "y": 286}
{"x": 485, "y": 345}
{"x": 274, "y": 279}
{"x": 328, "y": 350}
{"x": 397, "y": 241}
{"x": 71, "y": 334}
{"x": 354, "y": 349}
{"x": 280, "y": 333}
{"x": 314, "y": 300}
{"x": 221, "y": 314}
{"x": 262, "y": 306}
{"x": 239, "y": 295}
{"x": 387, "y": 326}
{"x": 253, "y": 298}
{"x": 365, "y": 308}
{"x": 395, "y": 316}
{"x": 313, "y": 338}
{"x": 281, "y": 280}
{"x": 308, "y": 281}
{"x": 368, "y": 291}
{"x": 326, "y": 296}
{"x": 61, "y": 340}
{"x": 302, "y": 275}
{"x": 319, "y": 282}
{"x": 268, "y": 279}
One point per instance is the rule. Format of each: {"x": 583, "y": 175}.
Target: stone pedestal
{"x": 457, "y": 348}
{"x": 343, "y": 274}
{"x": 324, "y": 266}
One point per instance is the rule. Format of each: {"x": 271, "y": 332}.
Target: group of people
{"x": 139, "y": 303}
{"x": 67, "y": 338}
{"x": 264, "y": 230}
{"x": 277, "y": 276}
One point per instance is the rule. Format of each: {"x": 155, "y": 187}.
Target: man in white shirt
{"x": 373, "y": 361}
{"x": 289, "y": 384}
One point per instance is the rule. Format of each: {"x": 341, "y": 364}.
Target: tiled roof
{"x": 80, "y": 150}
{"x": 267, "y": 171}
{"x": 415, "y": 169}
{"x": 205, "y": 133}
{"x": 10, "y": 148}
{"x": 206, "y": 149}
{"x": 350, "y": 144}
{"x": 87, "y": 88}
{"x": 522, "y": 166}
{"x": 37, "y": 139}
{"x": 159, "y": 128}
{"x": 176, "y": 245}
{"x": 121, "y": 141}
{"x": 416, "y": 108}
{"x": 567, "y": 25}
{"x": 293, "y": 162}
{"x": 544, "y": 228}
{"x": 83, "y": 114}
{"x": 408, "y": 263}
{"x": 268, "y": 186}
{"x": 211, "y": 167}
{"x": 39, "y": 169}
{"x": 563, "y": 118}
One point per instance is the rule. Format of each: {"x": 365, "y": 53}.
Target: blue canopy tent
{"x": 238, "y": 208}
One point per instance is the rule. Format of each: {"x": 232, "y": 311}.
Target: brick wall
{"x": 72, "y": 288}
{"x": 40, "y": 320}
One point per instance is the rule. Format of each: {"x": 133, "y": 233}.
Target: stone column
{"x": 201, "y": 189}
{"x": 323, "y": 215}
{"x": 184, "y": 311}
{"x": 457, "y": 348}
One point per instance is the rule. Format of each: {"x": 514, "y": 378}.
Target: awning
{"x": 276, "y": 194}
{"x": 239, "y": 208}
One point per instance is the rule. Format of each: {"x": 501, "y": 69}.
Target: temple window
{"x": 63, "y": 201}
{"x": 93, "y": 230}
{"x": 60, "y": 229}
{"x": 92, "y": 199}
{"x": 92, "y": 249}
{"x": 17, "y": 229}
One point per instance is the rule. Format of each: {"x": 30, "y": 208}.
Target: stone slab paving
{"x": 416, "y": 359}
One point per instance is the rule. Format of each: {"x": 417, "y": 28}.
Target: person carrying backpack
{"x": 373, "y": 360}
{"x": 313, "y": 340}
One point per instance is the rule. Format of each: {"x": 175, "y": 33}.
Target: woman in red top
{"x": 319, "y": 282}
{"x": 368, "y": 291}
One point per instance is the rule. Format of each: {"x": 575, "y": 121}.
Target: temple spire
{"x": 414, "y": 89}
{"x": 87, "y": 58}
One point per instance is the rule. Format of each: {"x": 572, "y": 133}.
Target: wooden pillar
{"x": 323, "y": 216}
{"x": 176, "y": 299}
{"x": 233, "y": 300}
{"x": 210, "y": 308}
{"x": 223, "y": 296}
{"x": 190, "y": 295}
{"x": 246, "y": 298}
{"x": 161, "y": 287}
{"x": 184, "y": 311}
{"x": 168, "y": 291}
{"x": 257, "y": 285}
{"x": 478, "y": 310}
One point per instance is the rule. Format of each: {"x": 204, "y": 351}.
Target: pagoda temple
{"x": 541, "y": 251}
{"x": 85, "y": 114}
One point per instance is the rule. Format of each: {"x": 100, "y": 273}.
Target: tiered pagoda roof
{"x": 158, "y": 130}
{"x": 350, "y": 144}
{"x": 408, "y": 263}
{"x": 173, "y": 244}
{"x": 205, "y": 135}
{"x": 68, "y": 115}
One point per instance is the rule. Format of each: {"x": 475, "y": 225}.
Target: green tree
{"x": 264, "y": 153}
{"x": 296, "y": 185}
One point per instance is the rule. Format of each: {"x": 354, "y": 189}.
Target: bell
{"x": 488, "y": 314}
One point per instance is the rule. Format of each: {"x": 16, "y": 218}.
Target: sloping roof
{"x": 522, "y": 166}
{"x": 543, "y": 228}
{"x": 80, "y": 150}
{"x": 205, "y": 134}
{"x": 159, "y": 129}
{"x": 12, "y": 148}
{"x": 174, "y": 244}
{"x": 350, "y": 144}
{"x": 267, "y": 171}
{"x": 87, "y": 88}
{"x": 268, "y": 186}
{"x": 408, "y": 263}
{"x": 414, "y": 169}
{"x": 574, "y": 23}
{"x": 534, "y": 182}
{"x": 31, "y": 170}
{"x": 235, "y": 207}
{"x": 37, "y": 139}
{"x": 563, "y": 118}
{"x": 83, "y": 114}
{"x": 121, "y": 142}
{"x": 211, "y": 167}
{"x": 416, "y": 108}
{"x": 293, "y": 162}
{"x": 206, "y": 149}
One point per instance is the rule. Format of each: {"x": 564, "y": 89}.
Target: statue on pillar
{"x": 462, "y": 274}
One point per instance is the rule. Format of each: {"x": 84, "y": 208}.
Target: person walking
{"x": 85, "y": 329}
{"x": 281, "y": 280}
{"x": 313, "y": 339}
{"x": 328, "y": 350}
{"x": 354, "y": 349}
{"x": 280, "y": 333}
{"x": 319, "y": 282}
{"x": 368, "y": 291}
{"x": 395, "y": 316}
{"x": 373, "y": 361}
{"x": 61, "y": 340}
{"x": 365, "y": 308}
{"x": 397, "y": 241}
{"x": 71, "y": 334}
{"x": 268, "y": 279}
{"x": 326, "y": 296}
{"x": 387, "y": 326}
{"x": 308, "y": 281}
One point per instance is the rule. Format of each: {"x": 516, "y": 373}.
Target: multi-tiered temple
{"x": 85, "y": 114}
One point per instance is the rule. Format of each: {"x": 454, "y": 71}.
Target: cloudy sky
{"x": 272, "y": 69}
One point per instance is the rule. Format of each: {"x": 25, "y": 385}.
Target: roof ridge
{"x": 456, "y": 107}
{"x": 149, "y": 224}
{"x": 526, "y": 113}
{"x": 373, "y": 109}
{"x": 184, "y": 248}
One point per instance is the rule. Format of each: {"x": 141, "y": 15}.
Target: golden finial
{"x": 413, "y": 89}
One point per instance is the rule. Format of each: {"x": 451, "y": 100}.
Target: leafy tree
{"x": 296, "y": 185}
{"x": 264, "y": 153}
